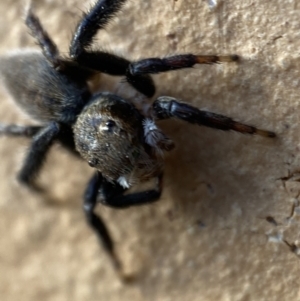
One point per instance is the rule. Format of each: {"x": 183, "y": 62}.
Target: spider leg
{"x": 65, "y": 136}
{"x": 49, "y": 48}
{"x": 157, "y": 65}
{"x": 117, "y": 66}
{"x": 166, "y": 107}
{"x": 66, "y": 139}
{"x": 95, "y": 222}
{"x": 19, "y": 130}
{"x": 40, "y": 145}
{"x": 96, "y": 19}
{"x": 112, "y": 195}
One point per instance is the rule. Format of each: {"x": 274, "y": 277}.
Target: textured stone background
{"x": 209, "y": 238}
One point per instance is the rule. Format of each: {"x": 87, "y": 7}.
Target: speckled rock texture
{"x": 227, "y": 226}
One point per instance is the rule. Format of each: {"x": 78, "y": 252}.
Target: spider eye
{"x": 93, "y": 162}
{"x": 108, "y": 126}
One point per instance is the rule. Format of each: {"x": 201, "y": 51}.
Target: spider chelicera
{"x": 123, "y": 144}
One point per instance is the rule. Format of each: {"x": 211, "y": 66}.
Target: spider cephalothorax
{"x": 110, "y": 136}
{"x": 121, "y": 143}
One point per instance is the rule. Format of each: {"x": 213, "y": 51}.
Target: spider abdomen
{"x": 42, "y": 91}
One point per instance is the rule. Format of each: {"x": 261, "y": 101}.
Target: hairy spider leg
{"x": 112, "y": 194}
{"x": 181, "y": 61}
{"x": 51, "y": 53}
{"x": 90, "y": 201}
{"x": 49, "y": 48}
{"x": 36, "y": 155}
{"x": 166, "y": 107}
{"x": 96, "y": 19}
{"x": 136, "y": 72}
{"x": 19, "y": 130}
{"x": 64, "y": 137}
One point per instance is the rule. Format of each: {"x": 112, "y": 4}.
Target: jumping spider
{"x": 123, "y": 144}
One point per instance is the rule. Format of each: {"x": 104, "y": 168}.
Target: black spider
{"x": 123, "y": 144}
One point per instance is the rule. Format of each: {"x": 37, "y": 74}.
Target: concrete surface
{"x": 227, "y": 226}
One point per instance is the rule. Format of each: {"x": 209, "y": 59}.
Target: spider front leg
{"x": 36, "y": 155}
{"x": 92, "y": 21}
{"x": 99, "y": 189}
{"x": 95, "y": 19}
{"x": 181, "y": 61}
{"x": 166, "y": 107}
